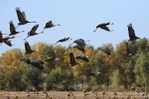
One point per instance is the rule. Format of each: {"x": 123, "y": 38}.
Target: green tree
{"x": 116, "y": 79}
{"x": 60, "y": 79}
{"x": 130, "y": 75}
{"x": 142, "y": 70}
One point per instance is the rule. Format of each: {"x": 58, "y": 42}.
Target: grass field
{"x": 72, "y": 95}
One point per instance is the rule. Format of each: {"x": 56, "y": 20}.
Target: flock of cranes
{"x": 80, "y": 43}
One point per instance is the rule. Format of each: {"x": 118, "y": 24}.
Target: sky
{"x": 78, "y": 19}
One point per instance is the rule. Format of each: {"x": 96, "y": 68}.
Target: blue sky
{"x": 78, "y": 19}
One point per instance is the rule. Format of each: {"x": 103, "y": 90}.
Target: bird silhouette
{"x": 1, "y": 35}
{"x": 64, "y": 39}
{"x": 33, "y": 32}
{"x": 72, "y": 59}
{"x": 80, "y": 45}
{"x": 131, "y": 32}
{"x": 28, "y": 49}
{"x": 83, "y": 57}
{"x": 22, "y": 17}
{"x": 103, "y": 26}
{"x": 13, "y": 29}
{"x": 36, "y": 63}
{"x": 50, "y": 24}
{"x": 80, "y": 42}
{"x": 6, "y": 40}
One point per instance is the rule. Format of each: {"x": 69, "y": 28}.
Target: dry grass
{"x": 72, "y": 95}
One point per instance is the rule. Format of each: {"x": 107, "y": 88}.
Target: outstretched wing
{"x": 63, "y": 39}
{"x": 12, "y": 27}
{"x": 34, "y": 28}
{"x": 37, "y": 63}
{"x": 49, "y": 24}
{"x": 1, "y": 35}
{"x": 24, "y": 15}
{"x": 28, "y": 49}
{"x": 7, "y": 42}
{"x": 20, "y": 15}
{"x": 84, "y": 58}
{"x": 102, "y": 25}
{"x": 72, "y": 59}
{"x": 106, "y": 28}
{"x": 131, "y": 31}
{"x": 80, "y": 42}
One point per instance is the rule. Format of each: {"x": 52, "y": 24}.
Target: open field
{"x": 71, "y": 95}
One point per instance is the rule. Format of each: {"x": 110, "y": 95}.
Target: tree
{"x": 48, "y": 57}
{"x": 11, "y": 58}
{"x": 130, "y": 75}
{"x": 59, "y": 77}
{"x": 116, "y": 79}
{"x": 142, "y": 70}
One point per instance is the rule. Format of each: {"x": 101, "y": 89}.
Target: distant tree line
{"x": 109, "y": 69}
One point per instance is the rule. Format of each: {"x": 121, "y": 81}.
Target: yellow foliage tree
{"x": 11, "y": 58}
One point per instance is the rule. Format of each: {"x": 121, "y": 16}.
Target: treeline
{"x": 113, "y": 70}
